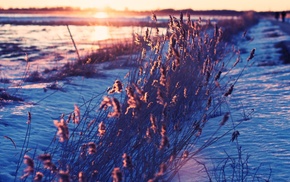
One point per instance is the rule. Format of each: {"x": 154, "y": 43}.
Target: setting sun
{"x": 101, "y": 15}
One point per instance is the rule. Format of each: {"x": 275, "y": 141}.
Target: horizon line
{"x": 71, "y": 8}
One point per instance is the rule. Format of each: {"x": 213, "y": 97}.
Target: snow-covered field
{"x": 263, "y": 90}
{"x": 263, "y": 94}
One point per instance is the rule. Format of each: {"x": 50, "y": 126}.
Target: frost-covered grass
{"x": 85, "y": 66}
{"x": 146, "y": 126}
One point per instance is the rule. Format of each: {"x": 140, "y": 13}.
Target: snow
{"x": 263, "y": 88}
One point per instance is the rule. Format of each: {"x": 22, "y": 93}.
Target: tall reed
{"x": 145, "y": 126}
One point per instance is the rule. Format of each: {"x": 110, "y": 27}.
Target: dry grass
{"x": 111, "y": 51}
{"x": 70, "y": 69}
{"x": 5, "y": 96}
{"x": 231, "y": 27}
{"x": 145, "y": 125}
{"x": 86, "y": 66}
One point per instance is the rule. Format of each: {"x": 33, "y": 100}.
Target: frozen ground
{"x": 264, "y": 88}
{"x": 264, "y": 91}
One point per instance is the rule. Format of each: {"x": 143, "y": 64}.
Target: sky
{"x": 239, "y": 5}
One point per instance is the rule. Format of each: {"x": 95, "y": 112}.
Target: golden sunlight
{"x": 100, "y": 33}
{"x": 101, "y": 15}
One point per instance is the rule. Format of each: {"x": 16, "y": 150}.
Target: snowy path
{"x": 265, "y": 89}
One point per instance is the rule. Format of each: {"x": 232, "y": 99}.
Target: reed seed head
{"x": 106, "y": 102}
{"x": 229, "y": 92}
{"x": 225, "y": 118}
{"x": 29, "y": 166}
{"x": 117, "y": 175}
{"x": 38, "y": 177}
{"x": 117, "y": 87}
{"x": 127, "y": 161}
{"x": 29, "y": 118}
{"x": 116, "y": 108}
{"x": 252, "y": 54}
{"x": 235, "y": 135}
{"x": 102, "y": 129}
{"x": 185, "y": 154}
{"x": 153, "y": 17}
{"x": 64, "y": 176}
{"x": 92, "y": 148}
{"x": 62, "y": 132}
{"x": 46, "y": 160}
{"x": 162, "y": 169}
{"x": 77, "y": 114}
{"x": 164, "y": 142}
{"x": 82, "y": 177}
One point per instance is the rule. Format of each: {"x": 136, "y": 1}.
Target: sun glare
{"x": 100, "y": 33}
{"x": 101, "y": 15}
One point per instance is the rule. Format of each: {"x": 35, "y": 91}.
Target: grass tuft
{"x": 145, "y": 127}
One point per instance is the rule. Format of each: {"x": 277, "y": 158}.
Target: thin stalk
{"x": 73, "y": 42}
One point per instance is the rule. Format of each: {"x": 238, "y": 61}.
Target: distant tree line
{"x": 46, "y": 9}
{"x": 158, "y": 12}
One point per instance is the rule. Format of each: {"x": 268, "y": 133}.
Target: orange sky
{"x": 240, "y": 5}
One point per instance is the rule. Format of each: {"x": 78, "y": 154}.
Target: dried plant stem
{"x": 75, "y": 46}
{"x": 141, "y": 133}
{"x": 23, "y": 150}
